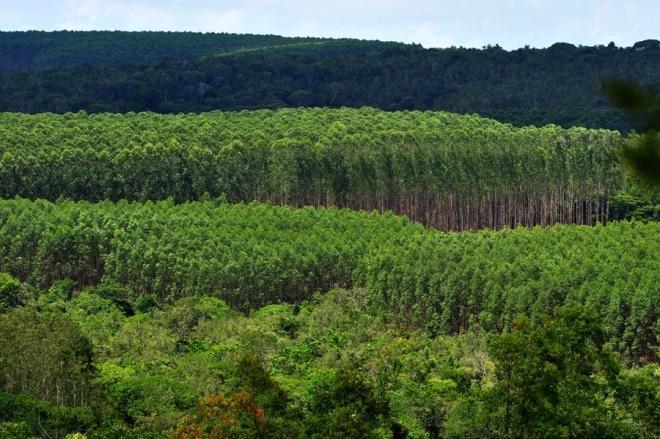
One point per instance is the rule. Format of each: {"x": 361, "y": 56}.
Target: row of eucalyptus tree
{"x": 448, "y": 171}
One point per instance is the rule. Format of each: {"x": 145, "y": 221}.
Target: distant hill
{"x": 187, "y": 72}
{"x": 47, "y": 50}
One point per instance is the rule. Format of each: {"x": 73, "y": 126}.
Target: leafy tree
{"x": 14, "y": 430}
{"x": 554, "y": 380}
{"x": 46, "y": 355}
{"x": 220, "y": 417}
{"x": 344, "y": 405}
{"x": 447, "y": 171}
{"x": 256, "y": 407}
{"x": 24, "y": 416}
{"x": 43, "y": 50}
{"x": 252, "y": 377}
{"x": 174, "y": 73}
{"x": 10, "y": 292}
{"x": 641, "y": 154}
{"x": 638, "y": 396}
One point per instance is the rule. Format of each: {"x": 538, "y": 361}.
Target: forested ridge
{"x": 560, "y": 84}
{"x": 38, "y": 50}
{"x": 448, "y": 171}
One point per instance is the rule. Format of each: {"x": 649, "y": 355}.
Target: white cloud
{"x": 232, "y": 20}
{"x": 103, "y": 14}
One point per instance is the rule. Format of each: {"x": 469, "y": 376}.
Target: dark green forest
{"x": 432, "y": 243}
{"x": 38, "y": 50}
{"x": 559, "y": 85}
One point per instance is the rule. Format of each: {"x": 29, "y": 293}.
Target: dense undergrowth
{"x": 109, "y": 365}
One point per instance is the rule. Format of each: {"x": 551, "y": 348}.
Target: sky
{"x": 432, "y": 23}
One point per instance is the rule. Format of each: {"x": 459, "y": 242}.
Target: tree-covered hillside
{"x": 448, "y": 171}
{"x": 37, "y": 50}
{"x": 560, "y": 84}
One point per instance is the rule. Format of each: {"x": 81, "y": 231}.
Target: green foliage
{"x": 187, "y": 313}
{"x": 150, "y": 402}
{"x": 45, "y": 355}
{"x": 250, "y": 255}
{"x": 642, "y": 157}
{"x": 298, "y": 357}
{"x": 640, "y": 154}
{"x": 251, "y": 376}
{"x": 343, "y": 405}
{"x": 10, "y": 292}
{"x": 98, "y": 318}
{"x": 245, "y": 255}
{"x": 43, "y": 50}
{"x": 219, "y": 417}
{"x": 556, "y": 379}
{"x": 117, "y": 317}
{"x": 556, "y": 376}
{"x": 639, "y": 392}
{"x": 14, "y": 430}
{"x": 146, "y": 302}
{"x": 24, "y": 416}
{"x": 119, "y": 295}
{"x": 447, "y": 283}
{"x": 444, "y": 170}
{"x": 551, "y": 379}
{"x": 635, "y": 205}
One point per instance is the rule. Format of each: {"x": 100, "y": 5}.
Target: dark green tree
{"x": 344, "y": 405}
{"x": 10, "y": 292}
{"x": 553, "y": 379}
{"x": 641, "y": 154}
{"x": 47, "y": 356}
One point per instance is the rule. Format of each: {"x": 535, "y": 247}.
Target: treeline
{"x": 253, "y": 255}
{"x": 38, "y": 50}
{"x": 560, "y": 84}
{"x": 447, "y": 171}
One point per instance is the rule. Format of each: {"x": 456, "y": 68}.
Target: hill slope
{"x": 45, "y": 50}
{"x": 195, "y": 73}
